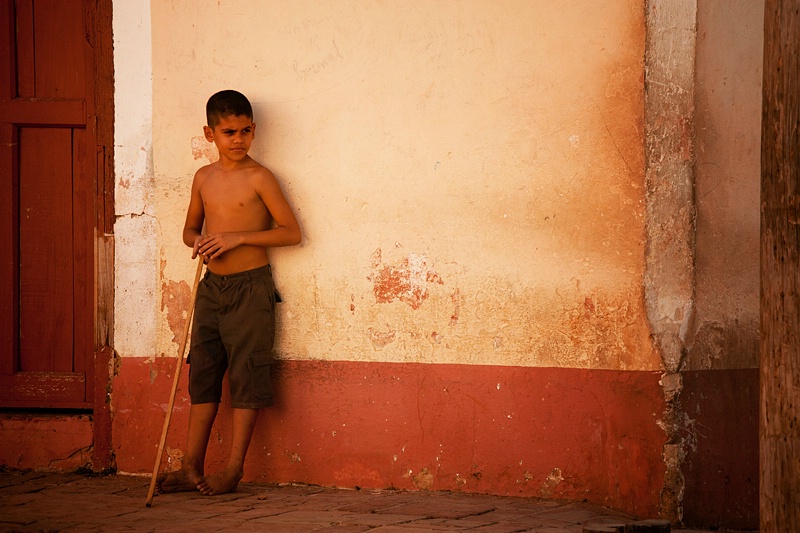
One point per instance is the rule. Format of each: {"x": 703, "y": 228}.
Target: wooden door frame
{"x": 99, "y": 123}
{"x": 99, "y": 31}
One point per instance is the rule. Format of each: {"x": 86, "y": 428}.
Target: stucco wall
{"x": 136, "y": 291}
{"x": 486, "y": 258}
{"x": 468, "y": 176}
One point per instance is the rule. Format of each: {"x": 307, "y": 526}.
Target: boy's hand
{"x": 216, "y": 244}
{"x": 196, "y": 247}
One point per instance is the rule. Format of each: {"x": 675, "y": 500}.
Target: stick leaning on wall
{"x": 178, "y": 367}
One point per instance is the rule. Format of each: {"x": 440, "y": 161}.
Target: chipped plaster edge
{"x": 136, "y": 256}
{"x": 669, "y": 279}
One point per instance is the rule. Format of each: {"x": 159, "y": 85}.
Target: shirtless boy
{"x": 245, "y": 214}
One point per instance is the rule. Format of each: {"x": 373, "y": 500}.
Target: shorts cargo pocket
{"x": 260, "y": 366}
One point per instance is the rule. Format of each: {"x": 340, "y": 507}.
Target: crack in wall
{"x": 133, "y": 215}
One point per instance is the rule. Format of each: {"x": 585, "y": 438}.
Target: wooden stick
{"x": 178, "y": 367}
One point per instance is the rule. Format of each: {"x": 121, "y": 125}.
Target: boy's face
{"x": 233, "y": 135}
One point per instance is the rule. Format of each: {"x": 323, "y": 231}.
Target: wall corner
{"x": 669, "y": 279}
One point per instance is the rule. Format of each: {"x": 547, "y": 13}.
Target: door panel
{"x": 48, "y": 198}
{"x": 45, "y": 249}
{"x": 60, "y": 49}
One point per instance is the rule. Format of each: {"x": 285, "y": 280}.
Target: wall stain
{"x": 380, "y": 339}
{"x": 598, "y": 330}
{"x": 730, "y": 343}
{"x": 456, "y": 297}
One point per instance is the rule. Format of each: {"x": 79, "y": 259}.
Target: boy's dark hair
{"x": 227, "y": 103}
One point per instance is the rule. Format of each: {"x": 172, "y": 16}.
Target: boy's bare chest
{"x": 231, "y": 199}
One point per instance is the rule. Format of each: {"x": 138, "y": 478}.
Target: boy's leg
{"x": 189, "y": 477}
{"x": 244, "y": 420}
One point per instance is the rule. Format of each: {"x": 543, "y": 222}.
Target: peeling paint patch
{"x": 174, "y": 458}
{"x": 423, "y": 480}
{"x": 295, "y": 457}
{"x": 202, "y": 148}
{"x": 553, "y": 479}
{"x": 175, "y": 298}
{"x": 406, "y": 281}
{"x": 527, "y": 476}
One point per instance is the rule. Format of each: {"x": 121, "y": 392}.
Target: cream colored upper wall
{"x": 136, "y": 294}
{"x": 468, "y": 175}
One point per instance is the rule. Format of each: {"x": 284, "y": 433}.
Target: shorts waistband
{"x": 241, "y": 276}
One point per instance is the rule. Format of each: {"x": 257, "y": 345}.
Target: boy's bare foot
{"x": 183, "y": 480}
{"x": 220, "y": 483}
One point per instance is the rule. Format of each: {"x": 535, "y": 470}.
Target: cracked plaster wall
{"x": 135, "y": 229}
{"x": 469, "y": 178}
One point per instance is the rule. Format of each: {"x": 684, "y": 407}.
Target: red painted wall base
{"x": 45, "y": 442}
{"x": 554, "y": 433}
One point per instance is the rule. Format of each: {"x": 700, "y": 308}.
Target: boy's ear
{"x": 254, "y": 128}
{"x": 209, "y": 134}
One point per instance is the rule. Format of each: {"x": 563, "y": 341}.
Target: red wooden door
{"x": 47, "y": 205}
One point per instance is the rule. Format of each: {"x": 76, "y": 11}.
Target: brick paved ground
{"x": 57, "y": 502}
